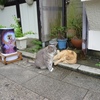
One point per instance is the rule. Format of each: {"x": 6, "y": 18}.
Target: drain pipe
{"x": 84, "y": 31}
{"x": 64, "y": 16}
{"x": 64, "y": 13}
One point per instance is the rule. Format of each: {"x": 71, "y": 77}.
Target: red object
{"x": 77, "y": 43}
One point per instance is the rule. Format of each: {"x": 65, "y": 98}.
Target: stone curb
{"x": 28, "y": 55}
{"x": 82, "y": 68}
{"x": 76, "y": 67}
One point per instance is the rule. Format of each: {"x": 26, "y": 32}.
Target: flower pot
{"x": 21, "y": 43}
{"x": 62, "y": 44}
{"x": 76, "y": 43}
{"x": 29, "y": 2}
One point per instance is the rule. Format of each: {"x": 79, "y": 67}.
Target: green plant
{"x": 58, "y": 32}
{"x": 74, "y": 20}
{"x": 97, "y": 64}
{"x": 18, "y": 29}
{"x": 1, "y": 26}
{"x": 3, "y": 2}
{"x": 76, "y": 23}
{"x": 37, "y": 45}
{"x": 54, "y": 24}
{"x": 53, "y": 33}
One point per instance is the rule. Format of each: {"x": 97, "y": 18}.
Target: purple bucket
{"x": 7, "y": 41}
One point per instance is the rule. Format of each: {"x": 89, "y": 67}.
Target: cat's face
{"x": 52, "y": 49}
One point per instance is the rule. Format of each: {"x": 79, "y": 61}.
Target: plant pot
{"x": 29, "y": 2}
{"x": 21, "y": 43}
{"x": 76, "y": 43}
{"x": 1, "y": 7}
{"x": 62, "y": 44}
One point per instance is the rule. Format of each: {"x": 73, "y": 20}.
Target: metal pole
{"x": 64, "y": 13}
{"x": 39, "y": 21}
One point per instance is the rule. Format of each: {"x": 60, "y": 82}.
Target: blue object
{"x": 62, "y": 44}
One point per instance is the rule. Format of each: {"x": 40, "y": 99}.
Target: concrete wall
{"x": 50, "y": 11}
{"x": 93, "y": 15}
{"x": 6, "y": 16}
{"x": 73, "y": 10}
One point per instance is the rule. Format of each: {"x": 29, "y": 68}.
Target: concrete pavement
{"x": 23, "y": 81}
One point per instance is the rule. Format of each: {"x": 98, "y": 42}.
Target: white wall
{"x": 29, "y": 18}
{"x": 94, "y": 40}
{"x": 93, "y": 16}
{"x": 6, "y": 16}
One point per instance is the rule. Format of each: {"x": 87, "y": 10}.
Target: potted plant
{"x": 77, "y": 25}
{"x": 21, "y": 40}
{"x": 53, "y": 36}
{"x": 2, "y": 3}
{"x": 74, "y": 23}
{"x": 59, "y": 33}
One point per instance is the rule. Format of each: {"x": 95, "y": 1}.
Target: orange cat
{"x": 65, "y": 56}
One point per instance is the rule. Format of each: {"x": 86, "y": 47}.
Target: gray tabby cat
{"x": 44, "y": 57}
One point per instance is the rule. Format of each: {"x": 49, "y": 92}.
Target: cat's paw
{"x": 51, "y": 69}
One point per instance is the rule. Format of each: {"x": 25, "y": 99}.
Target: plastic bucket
{"x": 7, "y": 40}
{"x": 62, "y": 44}
{"x": 8, "y": 43}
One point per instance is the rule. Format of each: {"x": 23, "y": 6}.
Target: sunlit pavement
{"x": 23, "y": 81}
